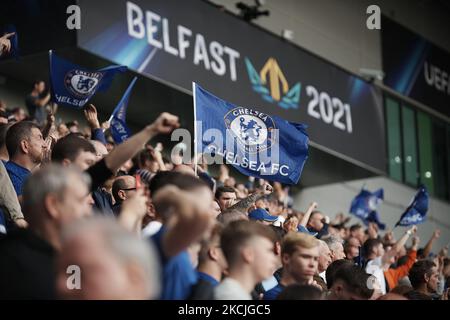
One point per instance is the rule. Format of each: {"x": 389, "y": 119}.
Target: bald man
{"x": 123, "y": 187}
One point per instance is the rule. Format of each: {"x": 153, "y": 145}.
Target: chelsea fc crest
{"x": 82, "y": 83}
{"x": 252, "y": 129}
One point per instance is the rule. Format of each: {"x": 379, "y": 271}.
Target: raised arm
{"x": 5, "y": 43}
{"x": 224, "y": 173}
{"x": 398, "y": 245}
{"x": 372, "y": 230}
{"x": 429, "y": 245}
{"x": 403, "y": 270}
{"x": 307, "y": 214}
{"x": 90, "y": 113}
{"x": 48, "y": 125}
{"x": 246, "y": 203}
{"x": 42, "y": 102}
{"x": 165, "y": 123}
{"x": 157, "y": 155}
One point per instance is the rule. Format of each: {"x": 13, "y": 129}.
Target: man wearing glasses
{"x": 122, "y": 188}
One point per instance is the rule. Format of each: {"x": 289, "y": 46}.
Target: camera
{"x": 249, "y": 13}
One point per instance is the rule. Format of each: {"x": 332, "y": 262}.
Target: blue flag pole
{"x": 109, "y": 121}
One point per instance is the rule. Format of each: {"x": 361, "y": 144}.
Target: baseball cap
{"x": 261, "y": 214}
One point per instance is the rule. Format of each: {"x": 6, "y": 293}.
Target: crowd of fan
{"x": 137, "y": 225}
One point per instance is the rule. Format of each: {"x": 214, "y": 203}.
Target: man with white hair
{"x": 53, "y": 197}
{"x": 335, "y": 244}
{"x": 324, "y": 262}
{"x": 114, "y": 264}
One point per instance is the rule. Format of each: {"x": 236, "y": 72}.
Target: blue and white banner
{"x": 365, "y": 203}
{"x": 255, "y": 143}
{"x": 73, "y": 85}
{"x": 417, "y": 210}
{"x": 119, "y": 129}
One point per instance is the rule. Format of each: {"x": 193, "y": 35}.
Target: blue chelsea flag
{"x": 417, "y": 210}
{"x": 255, "y": 143}
{"x": 365, "y": 204}
{"x": 73, "y": 85}
{"x": 119, "y": 129}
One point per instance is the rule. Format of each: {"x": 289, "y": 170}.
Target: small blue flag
{"x": 73, "y": 85}
{"x": 119, "y": 129}
{"x": 14, "y": 40}
{"x": 417, "y": 210}
{"x": 365, "y": 203}
{"x": 255, "y": 143}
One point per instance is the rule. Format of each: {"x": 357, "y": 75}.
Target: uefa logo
{"x": 271, "y": 84}
{"x": 82, "y": 83}
{"x": 253, "y": 129}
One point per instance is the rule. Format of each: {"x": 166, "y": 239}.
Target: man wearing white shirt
{"x": 374, "y": 267}
{"x": 379, "y": 260}
{"x": 151, "y": 228}
{"x": 245, "y": 245}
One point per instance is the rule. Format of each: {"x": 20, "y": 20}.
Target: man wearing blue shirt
{"x": 211, "y": 265}
{"x": 211, "y": 261}
{"x": 26, "y": 147}
{"x": 185, "y": 204}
